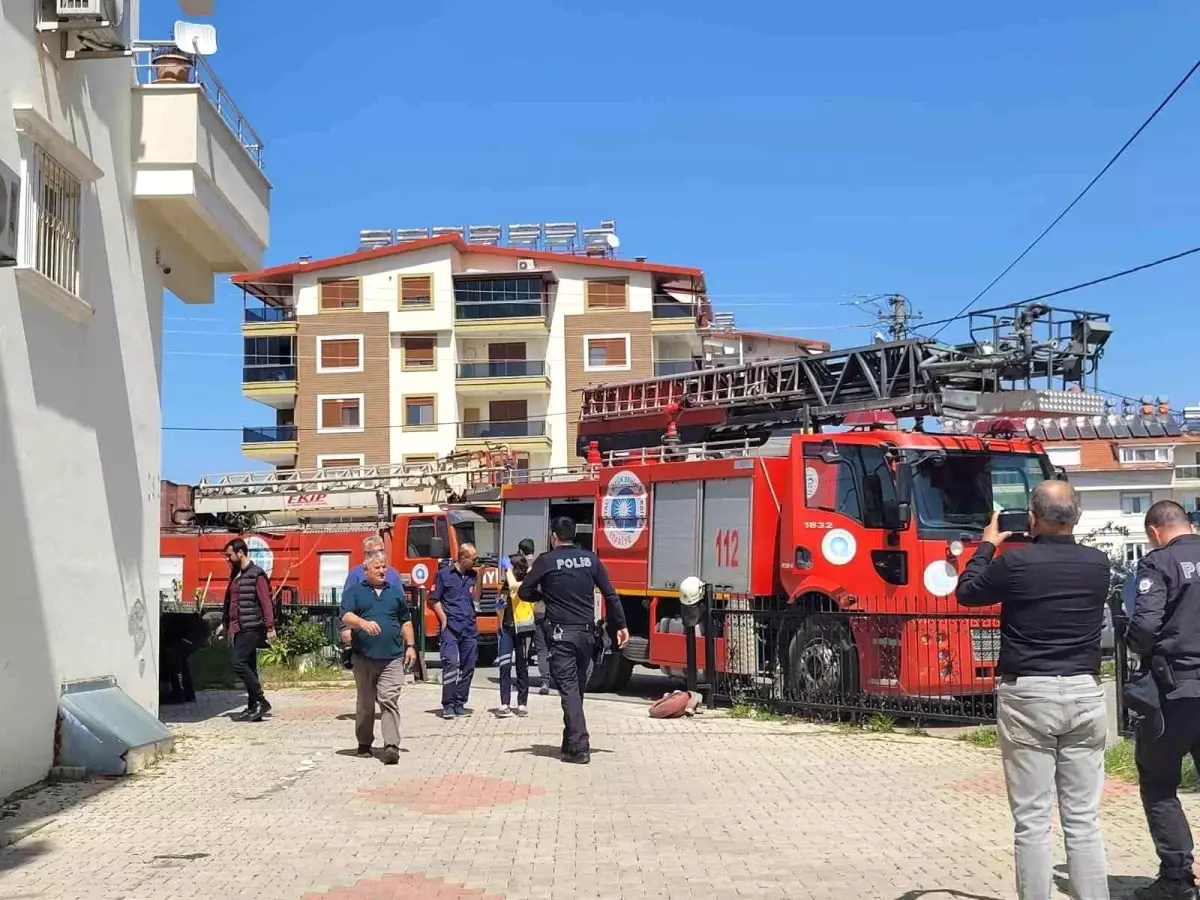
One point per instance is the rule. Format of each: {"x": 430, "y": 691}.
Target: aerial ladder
{"x": 1025, "y": 361}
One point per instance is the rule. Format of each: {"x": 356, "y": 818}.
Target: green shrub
{"x": 294, "y": 639}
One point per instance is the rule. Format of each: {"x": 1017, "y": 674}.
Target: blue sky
{"x": 801, "y": 155}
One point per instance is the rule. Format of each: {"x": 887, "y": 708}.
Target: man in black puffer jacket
{"x": 249, "y": 619}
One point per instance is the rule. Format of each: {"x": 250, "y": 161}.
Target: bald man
{"x": 1051, "y": 714}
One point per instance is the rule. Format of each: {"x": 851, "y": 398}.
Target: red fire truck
{"x": 306, "y": 528}
{"x": 867, "y": 519}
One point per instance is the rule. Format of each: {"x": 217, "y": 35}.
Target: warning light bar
{"x": 870, "y": 418}
{"x": 1022, "y": 404}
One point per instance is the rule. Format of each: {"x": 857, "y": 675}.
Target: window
{"x": 964, "y": 489}
{"x": 419, "y": 460}
{"x": 512, "y": 297}
{"x": 416, "y": 291}
{"x": 332, "y": 571}
{"x": 340, "y": 353}
{"x": 340, "y": 413}
{"x": 269, "y": 359}
{"x": 508, "y": 410}
{"x": 420, "y": 412}
{"x": 1146, "y": 454}
{"x": 420, "y": 352}
{"x": 54, "y": 199}
{"x": 345, "y": 461}
{"x": 1064, "y": 456}
{"x": 1135, "y": 551}
{"x": 340, "y": 293}
{"x": 605, "y": 352}
{"x": 1135, "y": 504}
{"x": 858, "y": 486}
{"x": 421, "y": 533}
{"x": 608, "y": 294}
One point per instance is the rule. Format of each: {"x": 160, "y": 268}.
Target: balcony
{"x": 261, "y": 319}
{"x": 274, "y": 444}
{"x": 520, "y": 433}
{"x": 1187, "y": 473}
{"x": 515, "y": 317}
{"x": 503, "y": 376}
{"x": 273, "y": 384}
{"x": 669, "y": 314}
{"x": 665, "y": 367}
{"x": 197, "y": 171}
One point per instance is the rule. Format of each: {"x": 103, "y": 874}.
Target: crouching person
{"x": 382, "y": 645}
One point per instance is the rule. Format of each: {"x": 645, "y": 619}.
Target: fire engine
{"x": 733, "y": 475}
{"x": 305, "y": 528}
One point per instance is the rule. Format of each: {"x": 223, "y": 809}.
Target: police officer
{"x": 567, "y": 578}
{"x": 1165, "y": 631}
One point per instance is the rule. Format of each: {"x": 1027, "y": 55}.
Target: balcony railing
{"x": 664, "y": 367}
{"x": 506, "y": 368}
{"x": 260, "y": 373}
{"x": 668, "y": 308}
{"x": 532, "y": 428}
{"x": 161, "y": 62}
{"x": 509, "y": 309}
{"x": 258, "y": 315}
{"x": 1187, "y": 473}
{"x": 269, "y": 434}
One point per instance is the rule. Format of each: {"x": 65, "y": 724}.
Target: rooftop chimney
{"x": 305, "y": 259}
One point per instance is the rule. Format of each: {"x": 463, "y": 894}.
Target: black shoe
{"x": 1162, "y": 889}
{"x": 544, "y": 690}
{"x": 364, "y": 750}
{"x": 248, "y": 713}
{"x": 462, "y": 711}
{"x": 263, "y": 708}
{"x": 391, "y": 755}
{"x": 582, "y": 758}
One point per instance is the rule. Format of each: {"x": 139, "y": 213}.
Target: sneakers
{"x": 582, "y": 758}
{"x": 262, "y": 709}
{"x": 448, "y": 712}
{"x": 246, "y": 714}
{"x": 522, "y": 710}
{"x": 504, "y": 712}
{"x": 1162, "y": 889}
{"x": 364, "y": 751}
{"x": 544, "y": 690}
{"x": 462, "y": 711}
{"x": 391, "y": 755}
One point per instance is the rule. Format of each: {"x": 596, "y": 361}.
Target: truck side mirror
{"x": 1060, "y": 474}
{"x": 437, "y": 547}
{"x": 904, "y": 480}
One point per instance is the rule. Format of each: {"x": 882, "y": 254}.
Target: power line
{"x": 1037, "y": 240}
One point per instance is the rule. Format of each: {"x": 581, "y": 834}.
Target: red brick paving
{"x": 452, "y": 793}
{"x": 402, "y": 887}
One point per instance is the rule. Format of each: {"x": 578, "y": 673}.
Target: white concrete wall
{"x": 79, "y": 424}
{"x": 1100, "y": 499}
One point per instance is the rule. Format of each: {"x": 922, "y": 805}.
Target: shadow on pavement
{"x": 547, "y": 751}
{"x": 944, "y": 892}
{"x": 1120, "y": 886}
{"x": 209, "y": 705}
{"x": 27, "y": 812}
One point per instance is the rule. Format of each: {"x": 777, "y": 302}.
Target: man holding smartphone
{"x": 1051, "y": 710}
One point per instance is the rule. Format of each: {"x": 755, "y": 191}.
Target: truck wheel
{"x": 602, "y": 675}
{"x": 822, "y": 660}
{"x": 486, "y": 655}
{"x": 624, "y": 674}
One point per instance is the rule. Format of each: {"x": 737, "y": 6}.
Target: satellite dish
{"x": 196, "y": 7}
{"x": 191, "y": 37}
{"x": 612, "y": 240}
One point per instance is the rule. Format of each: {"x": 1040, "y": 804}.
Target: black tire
{"x": 602, "y": 675}
{"x": 486, "y": 655}
{"x": 624, "y": 674}
{"x": 822, "y": 661}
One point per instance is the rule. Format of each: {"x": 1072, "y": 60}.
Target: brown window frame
{"x": 607, "y": 283}
{"x": 624, "y": 340}
{"x": 323, "y": 428}
{"x": 324, "y": 460}
{"x": 406, "y": 400}
{"x": 342, "y": 282}
{"x": 418, "y": 459}
{"x": 425, "y": 303}
{"x": 322, "y": 340}
{"x": 405, "y": 365}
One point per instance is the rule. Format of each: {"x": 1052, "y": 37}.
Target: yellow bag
{"x": 522, "y": 615}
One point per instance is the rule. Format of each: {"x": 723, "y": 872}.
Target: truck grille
{"x": 985, "y": 643}
{"x": 487, "y": 602}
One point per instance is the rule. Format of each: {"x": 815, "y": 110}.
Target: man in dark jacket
{"x": 1164, "y": 630}
{"x": 249, "y": 620}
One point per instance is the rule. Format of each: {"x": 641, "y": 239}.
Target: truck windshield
{"x": 482, "y": 530}
{"x": 962, "y": 490}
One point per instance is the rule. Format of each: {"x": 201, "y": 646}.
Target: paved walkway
{"x": 482, "y": 809}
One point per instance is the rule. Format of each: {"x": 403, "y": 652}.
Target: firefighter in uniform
{"x": 1164, "y": 631}
{"x": 566, "y": 579}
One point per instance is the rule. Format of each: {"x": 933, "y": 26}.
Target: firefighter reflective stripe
{"x": 725, "y": 538}
{"x": 674, "y": 533}
{"x": 524, "y": 519}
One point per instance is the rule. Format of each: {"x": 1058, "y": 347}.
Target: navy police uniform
{"x": 566, "y": 579}
{"x": 1164, "y": 630}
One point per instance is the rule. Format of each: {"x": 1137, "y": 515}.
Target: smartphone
{"x": 1014, "y": 520}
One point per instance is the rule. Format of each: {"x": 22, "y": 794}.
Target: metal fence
{"x": 919, "y": 659}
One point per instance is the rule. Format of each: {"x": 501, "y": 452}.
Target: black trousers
{"x": 1159, "y": 765}
{"x": 245, "y": 660}
{"x": 571, "y": 654}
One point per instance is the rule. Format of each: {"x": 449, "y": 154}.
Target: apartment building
{"x": 428, "y": 342}
{"x": 125, "y": 171}
{"x": 1123, "y": 464}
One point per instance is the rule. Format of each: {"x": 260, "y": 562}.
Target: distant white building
{"x": 120, "y": 176}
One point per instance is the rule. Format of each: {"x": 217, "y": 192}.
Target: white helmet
{"x": 691, "y": 589}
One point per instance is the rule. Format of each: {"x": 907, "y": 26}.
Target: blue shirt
{"x": 358, "y": 575}
{"x": 455, "y": 592}
{"x": 387, "y": 607}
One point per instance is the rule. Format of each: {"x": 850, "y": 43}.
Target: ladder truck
{"x": 305, "y": 528}
{"x": 789, "y": 486}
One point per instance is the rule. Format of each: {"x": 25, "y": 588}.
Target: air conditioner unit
{"x": 526, "y": 265}
{"x": 104, "y": 10}
{"x": 10, "y": 209}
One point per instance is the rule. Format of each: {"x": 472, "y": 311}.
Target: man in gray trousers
{"x": 1052, "y": 720}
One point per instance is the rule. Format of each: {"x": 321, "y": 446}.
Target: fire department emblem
{"x": 260, "y": 553}
{"x": 811, "y": 482}
{"x": 623, "y": 510}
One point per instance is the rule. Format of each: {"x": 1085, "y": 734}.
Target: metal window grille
{"x": 55, "y": 196}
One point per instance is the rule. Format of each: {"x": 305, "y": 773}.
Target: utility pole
{"x": 898, "y": 316}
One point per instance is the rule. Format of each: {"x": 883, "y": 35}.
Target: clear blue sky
{"x": 799, "y": 153}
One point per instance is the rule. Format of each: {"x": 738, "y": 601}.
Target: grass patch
{"x": 285, "y": 676}
{"x": 1118, "y": 763}
{"x": 1108, "y": 668}
{"x": 212, "y": 670}
{"x": 741, "y": 711}
{"x": 982, "y": 737}
{"x": 880, "y": 724}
